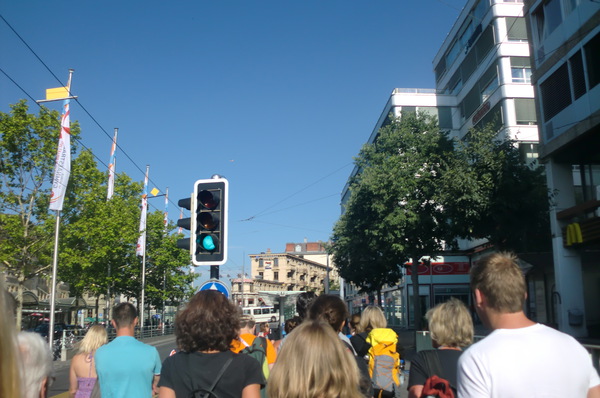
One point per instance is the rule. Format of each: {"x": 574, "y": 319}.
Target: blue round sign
{"x": 215, "y": 284}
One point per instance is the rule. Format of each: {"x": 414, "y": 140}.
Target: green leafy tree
{"x": 391, "y": 216}
{"x": 28, "y": 146}
{"x": 168, "y": 281}
{"x": 97, "y": 245}
{"x": 492, "y": 193}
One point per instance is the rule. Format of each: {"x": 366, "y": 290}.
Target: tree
{"x": 391, "y": 216}
{"x": 28, "y": 146}
{"x": 167, "y": 276}
{"x": 98, "y": 235}
{"x": 491, "y": 193}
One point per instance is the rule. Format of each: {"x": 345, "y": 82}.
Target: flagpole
{"x": 110, "y": 190}
{"x": 58, "y": 209}
{"x": 53, "y": 289}
{"x": 145, "y": 210}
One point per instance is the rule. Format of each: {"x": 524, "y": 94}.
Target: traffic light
{"x": 186, "y": 223}
{"x": 209, "y": 222}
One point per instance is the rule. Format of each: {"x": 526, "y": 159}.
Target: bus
{"x": 267, "y": 313}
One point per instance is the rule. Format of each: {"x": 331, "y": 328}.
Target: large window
{"x": 547, "y": 18}
{"x": 556, "y": 92}
{"x": 525, "y": 111}
{"x": 577, "y": 75}
{"x": 592, "y": 60}
{"x": 520, "y": 69}
{"x": 517, "y": 31}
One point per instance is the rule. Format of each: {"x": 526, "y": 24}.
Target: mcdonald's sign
{"x": 574, "y": 235}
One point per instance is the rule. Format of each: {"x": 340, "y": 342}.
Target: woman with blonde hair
{"x": 371, "y": 318}
{"x": 451, "y": 329}
{"x": 9, "y": 355}
{"x": 314, "y": 363}
{"x": 82, "y": 375}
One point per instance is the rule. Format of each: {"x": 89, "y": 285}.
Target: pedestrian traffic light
{"x": 209, "y": 222}
{"x": 186, "y": 223}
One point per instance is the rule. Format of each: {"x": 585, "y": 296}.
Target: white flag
{"x": 62, "y": 166}
{"x": 141, "y": 243}
{"x": 111, "y": 167}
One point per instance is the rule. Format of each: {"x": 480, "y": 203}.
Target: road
{"x": 60, "y": 387}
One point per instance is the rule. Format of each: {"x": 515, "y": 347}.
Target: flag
{"x": 166, "y": 219}
{"x": 111, "y": 168}
{"x": 62, "y": 166}
{"x": 141, "y": 243}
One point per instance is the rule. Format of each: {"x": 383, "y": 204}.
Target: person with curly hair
{"x": 204, "y": 331}
{"x": 314, "y": 363}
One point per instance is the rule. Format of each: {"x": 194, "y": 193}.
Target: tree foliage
{"x": 392, "y": 215}
{"x": 27, "y": 154}
{"x": 416, "y": 191}
{"x": 492, "y": 193}
{"x": 96, "y": 235}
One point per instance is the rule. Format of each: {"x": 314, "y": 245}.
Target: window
{"x": 276, "y": 262}
{"x": 577, "y": 75}
{"x": 260, "y": 262}
{"x": 525, "y": 111}
{"x": 547, "y": 18}
{"x": 488, "y": 83}
{"x": 261, "y": 274}
{"x": 517, "y": 31}
{"x": 569, "y": 6}
{"x": 453, "y": 53}
{"x": 520, "y": 69}
{"x": 556, "y": 92}
{"x": 276, "y": 276}
{"x": 528, "y": 152}
{"x": 592, "y": 60}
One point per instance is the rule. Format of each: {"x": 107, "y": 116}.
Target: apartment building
{"x": 483, "y": 74}
{"x": 565, "y": 42}
{"x": 302, "y": 267}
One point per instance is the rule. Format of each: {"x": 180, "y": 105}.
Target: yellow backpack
{"x": 384, "y": 360}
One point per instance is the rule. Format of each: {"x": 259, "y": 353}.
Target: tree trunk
{"x": 19, "y": 314}
{"x": 414, "y": 277}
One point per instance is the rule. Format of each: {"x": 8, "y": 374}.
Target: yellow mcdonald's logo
{"x": 574, "y": 234}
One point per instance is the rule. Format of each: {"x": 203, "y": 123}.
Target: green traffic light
{"x": 208, "y": 243}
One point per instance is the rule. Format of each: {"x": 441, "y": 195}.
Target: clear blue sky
{"x": 277, "y": 96}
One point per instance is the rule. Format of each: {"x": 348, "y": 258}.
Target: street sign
{"x": 215, "y": 284}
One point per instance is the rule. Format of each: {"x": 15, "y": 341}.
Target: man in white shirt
{"x": 520, "y": 358}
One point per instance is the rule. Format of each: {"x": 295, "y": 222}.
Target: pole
{"x": 145, "y": 210}
{"x": 243, "y": 276}
{"x": 143, "y": 284}
{"x": 53, "y": 289}
{"x": 327, "y": 276}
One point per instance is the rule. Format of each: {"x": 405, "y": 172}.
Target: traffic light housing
{"x": 186, "y": 223}
{"x": 208, "y": 229}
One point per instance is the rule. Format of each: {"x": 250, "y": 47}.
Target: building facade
{"x": 483, "y": 74}
{"x": 302, "y": 267}
{"x": 565, "y": 42}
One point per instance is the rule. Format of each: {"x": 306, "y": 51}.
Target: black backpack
{"x": 208, "y": 393}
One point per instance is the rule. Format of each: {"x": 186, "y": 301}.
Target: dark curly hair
{"x": 209, "y": 322}
{"x": 303, "y": 302}
{"x": 330, "y": 309}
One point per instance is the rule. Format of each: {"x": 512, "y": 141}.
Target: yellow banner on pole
{"x": 57, "y": 93}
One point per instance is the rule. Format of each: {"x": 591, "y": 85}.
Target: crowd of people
{"x": 326, "y": 352}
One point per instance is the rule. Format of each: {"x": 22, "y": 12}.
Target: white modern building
{"x": 565, "y": 42}
{"x": 483, "y": 74}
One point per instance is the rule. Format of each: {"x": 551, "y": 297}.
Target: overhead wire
{"x": 78, "y": 102}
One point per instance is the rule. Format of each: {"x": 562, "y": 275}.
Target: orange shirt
{"x": 238, "y": 346}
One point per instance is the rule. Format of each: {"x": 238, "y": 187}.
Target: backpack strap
{"x": 219, "y": 375}
{"x": 434, "y": 366}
